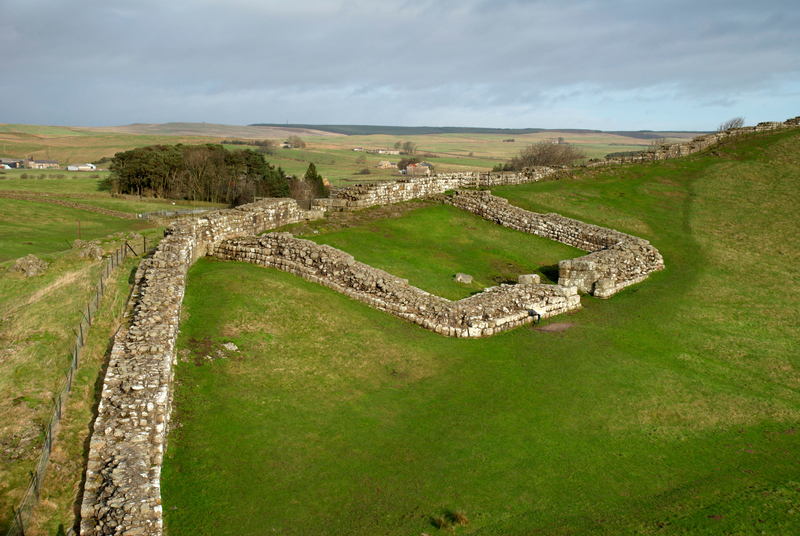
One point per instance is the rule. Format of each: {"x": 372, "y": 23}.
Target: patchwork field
{"x": 333, "y": 154}
{"x": 671, "y": 408}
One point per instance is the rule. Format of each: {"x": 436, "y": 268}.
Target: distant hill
{"x": 211, "y": 130}
{"x": 367, "y": 130}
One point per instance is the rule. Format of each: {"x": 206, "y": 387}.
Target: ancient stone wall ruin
{"x": 396, "y": 191}
{"x": 481, "y": 315}
{"x": 617, "y": 259}
{"x": 122, "y": 491}
{"x": 388, "y": 192}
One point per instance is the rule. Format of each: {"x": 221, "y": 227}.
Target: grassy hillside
{"x": 38, "y": 322}
{"x": 671, "y": 408}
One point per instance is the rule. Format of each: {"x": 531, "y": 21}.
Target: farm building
{"x": 42, "y": 164}
{"x": 12, "y": 163}
{"x": 81, "y": 167}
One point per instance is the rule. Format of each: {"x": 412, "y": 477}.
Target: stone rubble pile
{"x": 30, "y": 265}
{"x": 481, "y": 315}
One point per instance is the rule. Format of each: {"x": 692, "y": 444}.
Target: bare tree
{"x": 409, "y": 148}
{"x": 546, "y": 154}
{"x": 736, "y": 122}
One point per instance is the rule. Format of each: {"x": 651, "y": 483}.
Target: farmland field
{"x": 671, "y": 408}
{"x": 332, "y": 153}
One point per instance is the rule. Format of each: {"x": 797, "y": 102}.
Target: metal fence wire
{"x": 170, "y": 213}
{"x": 23, "y": 513}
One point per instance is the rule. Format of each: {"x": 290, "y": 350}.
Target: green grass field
{"x": 671, "y": 408}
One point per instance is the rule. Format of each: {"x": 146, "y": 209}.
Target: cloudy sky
{"x": 610, "y": 64}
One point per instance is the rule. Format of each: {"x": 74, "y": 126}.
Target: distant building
{"x": 417, "y": 169}
{"x": 12, "y": 163}
{"x": 81, "y": 167}
{"x": 385, "y": 164}
{"x": 42, "y": 164}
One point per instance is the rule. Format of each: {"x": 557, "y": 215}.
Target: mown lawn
{"x": 671, "y": 408}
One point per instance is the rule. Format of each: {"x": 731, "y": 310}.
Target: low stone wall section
{"x": 389, "y": 192}
{"x": 361, "y": 196}
{"x": 122, "y": 492}
{"x": 481, "y": 315}
{"x": 617, "y": 259}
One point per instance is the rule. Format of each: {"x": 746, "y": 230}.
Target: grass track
{"x": 671, "y": 408}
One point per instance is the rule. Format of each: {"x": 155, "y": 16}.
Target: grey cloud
{"x": 364, "y": 59}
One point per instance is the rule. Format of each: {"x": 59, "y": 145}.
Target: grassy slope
{"x": 670, "y": 408}
{"x": 38, "y": 317}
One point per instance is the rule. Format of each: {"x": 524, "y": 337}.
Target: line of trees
{"x": 197, "y": 172}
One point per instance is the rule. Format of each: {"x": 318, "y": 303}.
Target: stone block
{"x": 529, "y": 279}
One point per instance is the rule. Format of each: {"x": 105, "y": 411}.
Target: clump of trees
{"x": 543, "y": 154}
{"x": 408, "y": 147}
{"x": 736, "y": 122}
{"x": 296, "y": 142}
{"x": 197, "y": 172}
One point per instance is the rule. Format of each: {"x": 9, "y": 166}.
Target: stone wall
{"x": 483, "y": 314}
{"x": 388, "y": 192}
{"x": 700, "y": 143}
{"x": 122, "y": 492}
{"x": 617, "y": 259}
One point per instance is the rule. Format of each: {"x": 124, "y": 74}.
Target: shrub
{"x": 546, "y": 154}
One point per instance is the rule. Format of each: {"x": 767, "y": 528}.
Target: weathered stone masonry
{"x": 617, "y": 259}
{"x": 481, "y": 315}
{"x": 122, "y": 491}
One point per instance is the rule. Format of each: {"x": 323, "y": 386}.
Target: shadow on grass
{"x": 550, "y": 273}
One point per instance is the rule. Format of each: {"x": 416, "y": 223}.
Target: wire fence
{"x": 23, "y": 513}
{"x": 172, "y": 213}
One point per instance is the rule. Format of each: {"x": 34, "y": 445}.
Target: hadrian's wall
{"x": 617, "y": 259}
{"x": 700, "y": 143}
{"x": 366, "y": 195}
{"x": 122, "y": 490}
{"x": 483, "y": 314}
{"x": 388, "y": 192}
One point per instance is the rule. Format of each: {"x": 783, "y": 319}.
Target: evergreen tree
{"x": 314, "y": 180}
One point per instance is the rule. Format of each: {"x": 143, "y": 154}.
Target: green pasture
{"x": 73, "y": 184}
{"x": 671, "y": 408}
{"x": 38, "y": 329}
{"x": 29, "y": 227}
